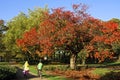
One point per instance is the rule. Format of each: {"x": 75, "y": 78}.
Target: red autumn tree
{"x": 105, "y": 35}
{"x": 72, "y": 31}
{"x": 61, "y": 30}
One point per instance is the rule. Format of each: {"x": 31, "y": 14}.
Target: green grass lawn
{"x": 57, "y": 78}
{"x": 4, "y": 63}
{"x": 33, "y": 69}
{"x": 102, "y": 71}
{"x": 112, "y": 63}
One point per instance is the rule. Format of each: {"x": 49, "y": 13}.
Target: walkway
{"x": 31, "y": 76}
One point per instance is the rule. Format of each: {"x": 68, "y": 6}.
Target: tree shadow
{"x": 111, "y": 76}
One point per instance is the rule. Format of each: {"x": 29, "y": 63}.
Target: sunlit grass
{"x": 57, "y": 78}
{"x": 4, "y": 63}
{"x": 101, "y": 71}
{"x": 33, "y": 70}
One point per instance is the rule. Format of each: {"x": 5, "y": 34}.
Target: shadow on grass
{"x": 103, "y": 65}
{"x": 111, "y": 76}
{"x": 112, "y": 64}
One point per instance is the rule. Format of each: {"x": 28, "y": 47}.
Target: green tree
{"x": 116, "y": 49}
{"x": 19, "y": 25}
{"x": 83, "y": 55}
{"x": 3, "y": 29}
{"x": 1, "y": 34}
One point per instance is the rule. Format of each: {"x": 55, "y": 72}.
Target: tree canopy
{"x": 20, "y": 24}
{"x": 42, "y": 32}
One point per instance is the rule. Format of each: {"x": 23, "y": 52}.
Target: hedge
{"x": 7, "y": 72}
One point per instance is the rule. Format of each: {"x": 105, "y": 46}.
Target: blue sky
{"x": 102, "y": 9}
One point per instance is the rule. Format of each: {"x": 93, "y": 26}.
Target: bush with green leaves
{"x": 56, "y": 67}
{"x": 4, "y": 63}
{"x": 7, "y": 72}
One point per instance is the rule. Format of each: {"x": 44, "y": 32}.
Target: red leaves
{"x": 75, "y": 6}
{"x": 110, "y": 32}
{"x": 99, "y": 38}
{"x": 30, "y": 38}
{"x": 63, "y": 28}
{"x": 81, "y": 8}
{"x": 107, "y": 32}
{"x": 104, "y": 35}
{"x": 60, "y": 28}
{"x": 109, "y": 27}
{"x": 102, "y": 55}
{"x": 20, "y": 42}
{"x": 1, "y": 22}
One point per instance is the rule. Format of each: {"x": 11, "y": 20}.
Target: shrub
{"x": 56, "y": 67}
{"x": 7, "y": 72}
{"x": 4, "y": 63}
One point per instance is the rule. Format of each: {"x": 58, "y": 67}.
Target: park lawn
{"x": 99, "y": 69}
{"x": 102, "y": 71}
{"x": 112, "y": 63}
{"x": 4, "y": 63}
{"x": 33, "y": 70}
{"x": 57, "y": 78}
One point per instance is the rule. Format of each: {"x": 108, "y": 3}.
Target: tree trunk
{"x": 72, "y": 61}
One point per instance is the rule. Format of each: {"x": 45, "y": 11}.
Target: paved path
{"x": 31, "y": 76}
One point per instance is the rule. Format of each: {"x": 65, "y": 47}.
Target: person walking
{"x": 26, "y": 69}
{"x": 39, "y": 67}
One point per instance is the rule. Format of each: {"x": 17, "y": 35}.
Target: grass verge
{"x": 33, "y": 69}
{"x": 101, "y": 71}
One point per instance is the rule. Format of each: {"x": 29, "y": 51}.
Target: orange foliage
{"x": 104, "y": 33}
{"x": 61, "y": 28}
{"x": 30, "y": 38}
{"x": 101, "y": 56}
{"x": 109, "y": 27}
{"x": 69, "y": 30}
